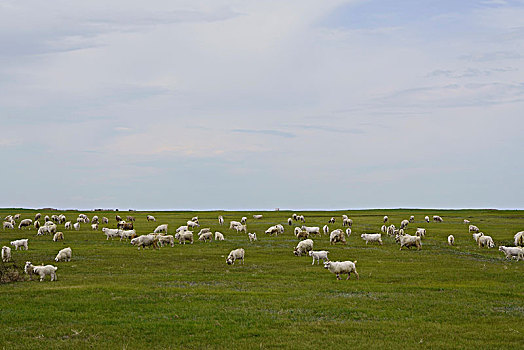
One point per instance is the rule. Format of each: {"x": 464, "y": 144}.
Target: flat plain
{"x": 112, "y": 295}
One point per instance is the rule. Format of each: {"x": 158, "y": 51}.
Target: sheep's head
{"x": 229, "y": 261}
{"x": 327, "y": 264}
{"x": 501, "y": 248}
{"x": 134, "y": 241}
{"x": 491, "y": 244}
{"x": 296, "y": 252}
{"x": 28, "y": 268}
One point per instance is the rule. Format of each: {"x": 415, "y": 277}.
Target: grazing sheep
{"x": 150, "y": 218}
{"x": 17, "y": 216}
{"x": 184, "y": 236}
{"x": 344, "y": 216}
{"x": 192, "y": 224}
{"x": 272, "y": 230}
{"x": 386, "y": 219}
{"x": 426, "y": 218}
{"x": 64, "y": 254}
{"x": 42, "y": 271}
{"x": 58, "y": 236}
{"x": 348, "y": 232}
{"x": 111, "y": 232}
{"x": 47, "y": 218}
{"x": 410, "y": 241}
{"x": 412, "y": 218}
{"x": 302, "y": 234}
{"x": 519, "y": 238}
{"x": 511, "y": 252}
{"x": 421, "y": 232}
{"x": 76, "y": 226}
{"x": 372, "y": 237}
{"x": 347, "y": 222}
{"x": 130, "y": 218}
{"x": 38, "y": 216}
{"x": 234, "y": 255}
{"x": 169, "y": 239}
{"x": 94, "y": 227}
{"x": 319, "y": 255}
{"x": 20, "y": 243}
{"x": 252, "y": 236}
{"x": 243, "y": 220}
{"x": 476, "y": 236}
{"x": 384, "y": 229}
{"x": 25, "y": 223}
{"x": 404, "y": 224}
{"x": 451, "y": 240}
{"x": 161, "y": 228}
{"x": 182, "y": 228}
{"x": 325, "y": 229}
{"x": 194, "y": 219}
{"x": 331, "y": 221}
{"x": 301, "y": 218}
{"x": 36, "y": 225}
{"x": 8, "y": 225}
{"x": 145, "y": 241}
{"x": 437, "y": 218}
{"x": 338, "y": 267}
{"x": 303, "y": 247}
{"x": 6, "y": 254}
{"x": 126, "y": 234}
{"x": 295, "y": 217}
{"x": 68, "y": 225}
{"x": 337, "y": 236}
{"x": 473, "y": 228}
{"x": 466, "y": 221}
{"x": 257, "y": 217}
{"x": 118, "y": 218}
{"x": 314, "y": 230}
{"x": 221, "y": 220}
{"x": 105, "y": 220}
{"x": 206, "y": 236}
{"x": 125, "y": 225}
{"x": 234, "y": 224}
{"x": 219, "y": 236}
{"x": 391, "y": 230}
{"x": 486, "y": 241}
{"x": 94, "y": 220}
{"x": 204, "y": 230}
{"x": 242, "y": 228}
{"x": 280, "y": 228}
{"x": 289, "y": 222}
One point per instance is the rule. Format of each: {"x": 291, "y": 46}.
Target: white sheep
{"x": 338, "y": 267}
{"x": 241, "y": 228}
{"x": 8, "y": 225}
{"x": 219, "y": 236}
{"x": 234, "y": 255}
{"x": 6, "y": 254}
{"x": 20, "y": 243}
{"x": 252, "y": 236}
{"x": 337, "y": 236}
{"x": 347, "y": 222}
{"x": 289, "y": 221}
{"x": 386, "y": 218}
{"x": 192, "y": 224}
{"x": 404, "y": 224}
{"x": 466, "y": 221}
{"x": 348, "y": 232}
{"x": 272, "y": 230}
{"x": 451, "y": 240}
{"x": 76, "y": 226}
{"x": 331, "y": 221}
{"x": 234, "y": 224}
{"x": 169, "y": 239}
{"x": 325, "y": 229}
{"x": 426, "y": 218}
{"x": 243, "y": 220}
{"x": 372, "y": 237}
{"x": 150, "y": 218}
{"x": 94, "y": 227}
{"x": 511, "y": 252}
{"x": 58, "y": 236}
{"x": 68, "y": 225}
{"x": 313, "y": 230}
{"x": 519, "y": 238}
{"x": 42, "y": 271}
{"x": 25, "y": 223}
{"x": 473, "y": 228}
{"x": 421, "y": 232}
{"x": 391, "y": 230}
{"x": 105, "y": 220}
{"x": 161, "y": 228}
{"x": 145, "y": 241}
{"x": 319, "y": 255}
{"x": 111, "y": 232}
{"x": 412, "y": 218}
{"x": 204, "y": 230}
{"x": 257, "y": 217}
{"x": 303, "y": 247}
{"x": 384, "y": 229}
{"x": 410, "y": 241}
{"x": 182, "y": 228}
{"x": 184, "y": 236}
{"x": 486, "y": 241}
{"x": 280, "y": 228}
{"x": 64, "y": 254}
{"x": 126, "y": 234}
{"x": 206, "y": 236}
{"x": 221, "y": 220}
{"x": 476, "y": 236}
{"x": 437, "y": 218}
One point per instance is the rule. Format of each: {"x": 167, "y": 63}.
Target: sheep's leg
{"x": 338, "y": 276}
{"x": 349, "y": 273}
{"x": 356, "y": 273}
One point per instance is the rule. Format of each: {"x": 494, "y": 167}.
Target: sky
{"x": 292, "y": 104}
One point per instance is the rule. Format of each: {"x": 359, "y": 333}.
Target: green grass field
{"x": 112, "y": 295}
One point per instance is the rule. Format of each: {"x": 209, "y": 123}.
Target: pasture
{"x": 112, "y": 295}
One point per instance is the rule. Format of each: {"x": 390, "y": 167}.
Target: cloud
{"x": 266, "y": 132}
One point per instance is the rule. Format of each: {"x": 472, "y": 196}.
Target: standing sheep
{"x": 338, "y": 267}
{"x": 42, "y": 271}
{"x": 303, "y": 247}
{"x": 319, "y": 255}
{"x": 6, "y": 254}
{"x": 234, "y": 255}
{"x": 64, "y": 255}
{"x": 58, "y": 236}
{"x": 451, "y": 240}
{"x": 219, "y": 236}
{"x": 20, "y": 243}
{"x": 252, "y": 236}
{"x": 372, "y": 237}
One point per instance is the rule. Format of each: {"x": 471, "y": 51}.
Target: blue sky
{"x": 250, "y": 104}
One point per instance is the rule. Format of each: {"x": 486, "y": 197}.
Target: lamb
{"x": 319, "y": 255}
{"x": 325, "y": 229}
{"x": 6, "y": 254}
{"x": 221, "y": 220}
{"x": 42, "y": 271}
{"x": 184, "y": 236}
{"x": 150, "y": 218}
{"x": 252, "y": 236}
{"x": 58, "y": 236}
{"x": 192, "y": 224}
{"x": 145, "y": 241}
{"x": 451, "y": 240}
{"x": 348, "y": 232}
{"x": 25, "y": 223}
{"x": 476, "y": 236}
{"x": 243, "y": 220}
{"x": 68, "y": 225}
{"x": 412, "y": 218}
{"x": 206, "y": 236}
{"x": 404, "y": 224}
{"x": 303, "y": 247}
{"x": 486, "y": 241}
{"x": 169, "y": 239}
{"x": 20, "y": 243}
{"x": 257, "y": 217}
{"x": 8, "y": 225}
{"x": 161, "y": 228}
{"x": 511, "y": 252}
{"x": 421, "y": 232}
{"x": 426, "y": 218}
{"x": 386, "y": 218}
{"x": 76, "y": 225}
{"x": 473, "y": 228}
{"x": 372, "y": 237}
{"x": 64, "y": 254}
{"x": 338, "y": 267}
{"x": 126, "y": 234}
{"x": 337, "y": 236}
{"x": 519, "y": 238}
{"x": 314, "y": 230}
{"x": 94, "y": 227}
{"x": 219, "y": 236}
{"x": 437, "y": 218}
{"x": 111, "y": 232}
{"x": 234, "y": 255}
{"x": 410, "y": 241}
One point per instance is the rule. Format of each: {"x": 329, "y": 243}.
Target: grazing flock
{"x": 125, "y": 231}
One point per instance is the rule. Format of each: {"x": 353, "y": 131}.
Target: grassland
{"x": 112, "y": 295}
